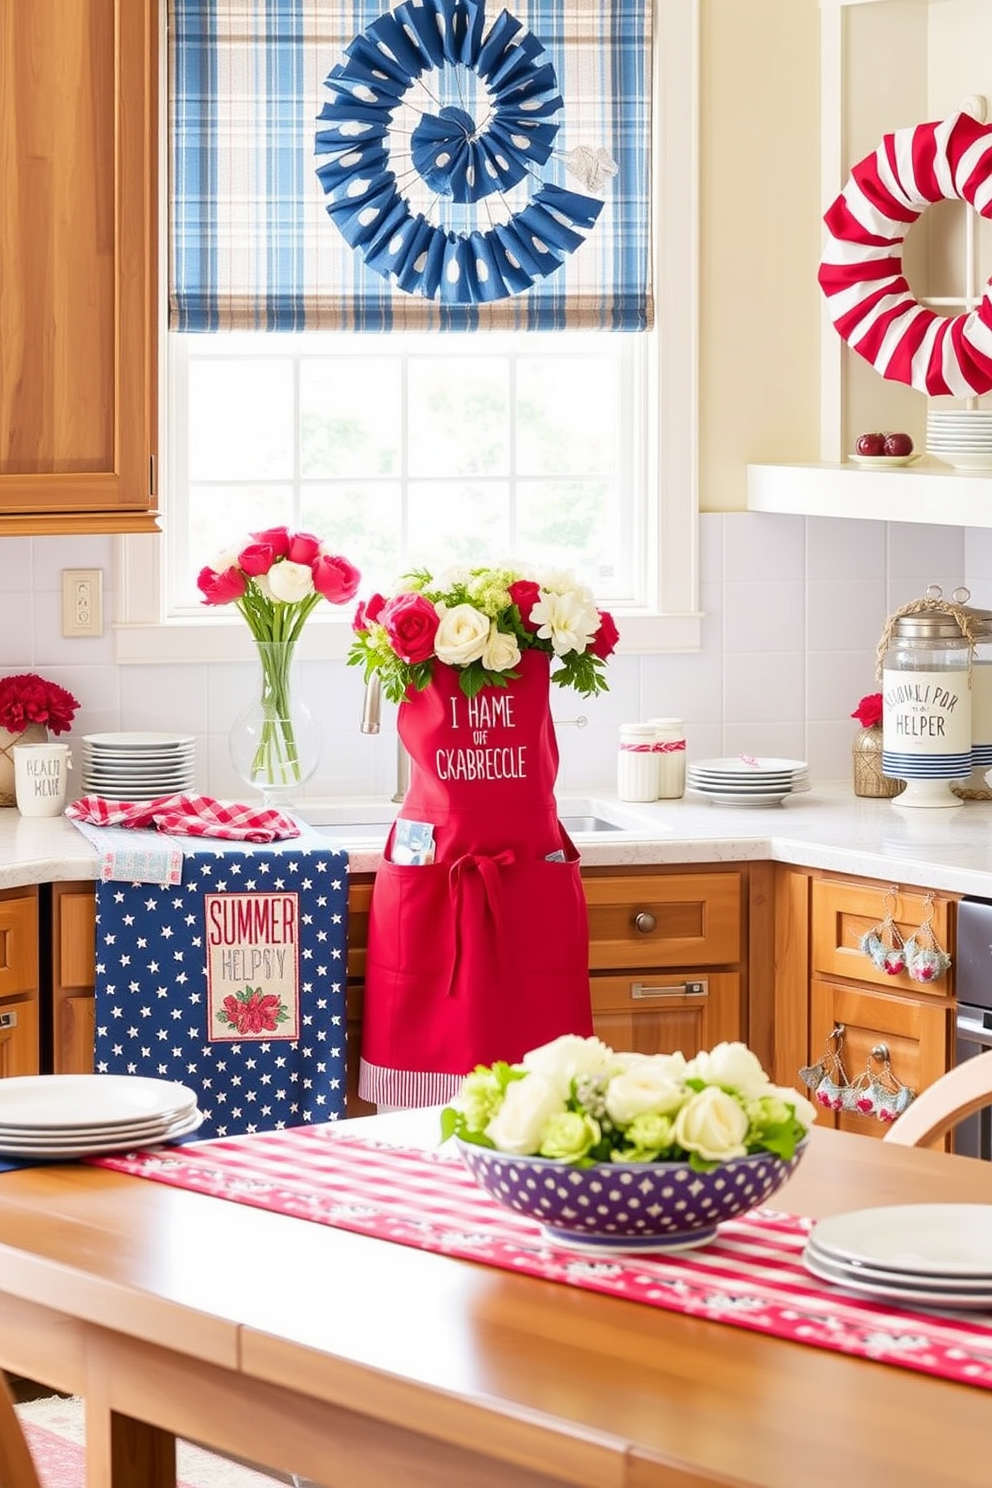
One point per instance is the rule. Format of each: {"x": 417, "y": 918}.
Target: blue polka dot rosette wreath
{"x": 431, "y": 103}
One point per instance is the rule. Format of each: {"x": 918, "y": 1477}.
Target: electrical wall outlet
{"x": 82, "y": 601}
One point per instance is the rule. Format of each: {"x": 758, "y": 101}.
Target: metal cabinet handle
{"x": 8, "y": 1020}
{"x": 676, "y": 989}
{"x": 644, "y": 922}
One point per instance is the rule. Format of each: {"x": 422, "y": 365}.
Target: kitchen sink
{"x": 588, "y": 824}
{"x": 377, "y": 831}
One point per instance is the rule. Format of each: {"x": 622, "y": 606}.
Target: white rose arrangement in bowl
{"x": 623, "y": 1151}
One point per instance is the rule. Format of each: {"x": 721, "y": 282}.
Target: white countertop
{"x": 828, "y": 827}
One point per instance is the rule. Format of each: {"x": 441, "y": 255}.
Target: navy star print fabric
{"x": 231, "y": 982}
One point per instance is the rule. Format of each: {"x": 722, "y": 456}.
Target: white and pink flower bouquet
{"x": 276, "y": 579}
{"x": 578, "y": 1101}
{"x": 480, "y": 621}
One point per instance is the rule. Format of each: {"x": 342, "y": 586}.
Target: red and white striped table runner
{"x": 751, "y": 1276}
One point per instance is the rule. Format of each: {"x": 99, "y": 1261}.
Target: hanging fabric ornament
{"x": 827, "y": 1079}
{"x": 925, "y": 960}
{"x": 483, "y": 123}
{"x": 884, "y": 945}
{"x": 877, "y": 1091}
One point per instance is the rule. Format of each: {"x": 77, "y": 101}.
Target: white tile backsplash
{"x": 793, "y": 610}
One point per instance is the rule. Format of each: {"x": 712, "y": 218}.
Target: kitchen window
{"x": 573, "y": 447}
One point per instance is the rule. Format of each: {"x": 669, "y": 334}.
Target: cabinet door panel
{"x": 19, "y": 942}
{"x": 668, "y": 1018}
{"x": 78, "y": 309}
{"x": 688, "y": 919}
{"x": 918, "y": 1035}
{"x": 75, "y": 1035}
{"x": 843, "y": 913}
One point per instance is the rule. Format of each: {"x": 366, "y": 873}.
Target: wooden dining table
{"x": 359, "y": 1363}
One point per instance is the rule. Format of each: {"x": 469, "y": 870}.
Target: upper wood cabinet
{"x": 78, "y": 265}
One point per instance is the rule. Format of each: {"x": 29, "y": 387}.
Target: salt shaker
{"x": 669, "y": 747}
{"x": 637, "y": 763}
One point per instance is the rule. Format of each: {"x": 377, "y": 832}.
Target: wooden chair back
{"x": 17, "y": 1469}
{"x": 961, "y": 1092}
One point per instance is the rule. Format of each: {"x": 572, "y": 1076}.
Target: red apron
{"x": 484, "y": 953}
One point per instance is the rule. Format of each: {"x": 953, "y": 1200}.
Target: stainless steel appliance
{"x": 973, "y": 980}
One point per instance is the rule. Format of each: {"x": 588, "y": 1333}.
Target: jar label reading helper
{"x": 926, "y": 721}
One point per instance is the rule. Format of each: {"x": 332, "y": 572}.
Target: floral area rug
{"x": 55, "y": 1432}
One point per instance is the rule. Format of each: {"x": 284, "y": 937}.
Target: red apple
{"x": 871, "y": 444}
{"x": 898, "y": 444}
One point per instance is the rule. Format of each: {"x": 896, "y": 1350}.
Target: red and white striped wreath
{"x": 869, "y": 298}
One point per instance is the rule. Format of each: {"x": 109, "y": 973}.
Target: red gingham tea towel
{"x": 187, "y": 816}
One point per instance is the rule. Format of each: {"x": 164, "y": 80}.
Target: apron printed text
{"x": 482, "y": 760}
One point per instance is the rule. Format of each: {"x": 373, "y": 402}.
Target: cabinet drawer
{"x": 19, "y": 942}
{"x": 661, "y": 1014}
{"x": 688, "y": 919}
{"x": 844, "y": 912}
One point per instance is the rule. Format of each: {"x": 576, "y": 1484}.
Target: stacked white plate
{"x": 930, "y": 1255}
{"x": 961, "y": 437}
{"x": 747, "y": 780}
{"x": 64, "y": 1116}
{"x": 138, "y": 766}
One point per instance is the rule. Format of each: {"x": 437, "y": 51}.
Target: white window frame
{"x": 144, "y": 633}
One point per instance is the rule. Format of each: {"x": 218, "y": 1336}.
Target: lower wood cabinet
{"x": 72, "y": 952}
{"x": 19, "y": 982}
{"x": 666, "y": 958}
{"x": 913, "y": 1022}
{"x": 679, "y": 959}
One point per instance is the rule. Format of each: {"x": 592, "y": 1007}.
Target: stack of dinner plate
{"x": 138, "y": 766}
{"x": 928, "y": 1255}
{"x": 747, "y": 780}
{"x": 63, "y": 1116}
{"x": 961, "y": 437}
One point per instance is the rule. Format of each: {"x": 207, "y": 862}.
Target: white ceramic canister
{"x": 637, "y": 763}
{"x": 669, "y": 746}
{"x": 926, "y": 709}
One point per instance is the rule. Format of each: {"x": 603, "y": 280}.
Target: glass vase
{"x": 867, "y": 758}
{"x": 275, "y": 744}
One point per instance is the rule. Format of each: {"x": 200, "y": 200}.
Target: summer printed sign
{"x": 252, "y": 943}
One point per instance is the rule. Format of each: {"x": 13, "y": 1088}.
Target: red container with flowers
{"x": 866, "y": 751}
{"x": 31, "y": 708}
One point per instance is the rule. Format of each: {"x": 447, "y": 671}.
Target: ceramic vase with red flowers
{"x": 866, "y": 751}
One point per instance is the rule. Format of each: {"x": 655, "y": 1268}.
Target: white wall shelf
{"x": 936, "y": 60}
{"x": 926, "y": 492}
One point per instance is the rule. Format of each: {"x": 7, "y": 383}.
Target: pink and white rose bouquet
{"x": 480, "y": 621}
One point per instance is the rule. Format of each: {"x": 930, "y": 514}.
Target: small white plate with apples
{"x": 891, "y": 449}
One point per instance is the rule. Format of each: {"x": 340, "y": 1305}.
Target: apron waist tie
{"x": 476, "y": 895}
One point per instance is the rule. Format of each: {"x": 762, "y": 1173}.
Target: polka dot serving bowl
{"x": 621, "y": 1207}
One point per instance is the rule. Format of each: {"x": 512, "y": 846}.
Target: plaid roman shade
{"x": 277, "y": 224}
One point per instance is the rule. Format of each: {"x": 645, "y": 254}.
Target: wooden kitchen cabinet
{"x": 914, "y": 1020}
{"x": 19, "y": 982}
{"x": 72, "y": 951}
{"x": 78, "y": 266}
{"x": 666, "y": 956}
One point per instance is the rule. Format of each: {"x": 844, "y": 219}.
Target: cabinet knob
{"x": 644, "y": 922}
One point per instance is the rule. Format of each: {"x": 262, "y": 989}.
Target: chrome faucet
{"x": 371, "y": 720}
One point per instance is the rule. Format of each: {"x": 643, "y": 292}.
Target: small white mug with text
{"x": 40, "y": 772}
